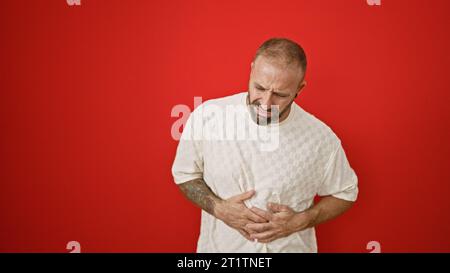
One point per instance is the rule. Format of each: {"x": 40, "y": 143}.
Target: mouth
{"x": 263, "y": 113}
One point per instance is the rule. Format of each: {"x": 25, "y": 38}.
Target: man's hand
{"x": 282, "y": 221}
{"x": 265, "y": 226}
{"x": 232, "y": 211}
{"x": 235, "y": 213}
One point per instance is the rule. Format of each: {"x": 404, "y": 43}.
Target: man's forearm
{"x": 199, "y": 193}
{"x": 327, "y": 208}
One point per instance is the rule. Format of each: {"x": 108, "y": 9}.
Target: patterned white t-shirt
{"x": 288, "y": 162}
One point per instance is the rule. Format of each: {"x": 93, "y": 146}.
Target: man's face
{"x": 271, "y": 86}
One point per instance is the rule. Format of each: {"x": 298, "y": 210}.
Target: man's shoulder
{"x": 234, "y": 99}
{"x": 213, "y": 109}
{"x": 317, "y": 127}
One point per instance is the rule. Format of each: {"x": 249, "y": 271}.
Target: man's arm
{"x": 329, "y": 207}
{"x": 283, "y": 221}
{"x": 200, "y": 194}
{"x": 232, "y": 211}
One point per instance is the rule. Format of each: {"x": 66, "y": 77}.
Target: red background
{"x": 87, "y": 91}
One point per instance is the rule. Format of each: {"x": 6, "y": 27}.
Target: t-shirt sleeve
{"x": 339, "y": 180}
{"x": 188, "y": 163}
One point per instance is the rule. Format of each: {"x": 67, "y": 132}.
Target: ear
{"x": 252, "y": 65}
{"x": 301, "y": 85}
{"x": 300, "y": 88}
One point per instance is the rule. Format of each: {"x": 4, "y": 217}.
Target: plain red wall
{"x": 87, "y": 91}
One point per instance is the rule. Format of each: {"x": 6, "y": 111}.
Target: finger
{"x": 277, "y": 207}
{"x": 258, "y": 228}
{"x": 252, "y": 216}
{"x": 243, "y": 196}
{"x": 263, "y": 235}
{"x": 249, "y": 231}
{"x": 268, "y": 240}
{"x": 262, "y": 213}
{"x": 245, "y": 234}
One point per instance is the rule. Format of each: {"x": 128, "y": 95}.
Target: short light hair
{"x": 283, "y": 50}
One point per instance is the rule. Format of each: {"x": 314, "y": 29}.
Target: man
{"x": 255, "y": 198}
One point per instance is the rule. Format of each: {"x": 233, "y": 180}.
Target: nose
{"x": 267, "y": 100}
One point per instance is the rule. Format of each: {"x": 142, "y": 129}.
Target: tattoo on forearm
{"x": 198, "y": 192}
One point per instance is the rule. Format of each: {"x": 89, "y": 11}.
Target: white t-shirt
{"x": 288, "y": 162}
